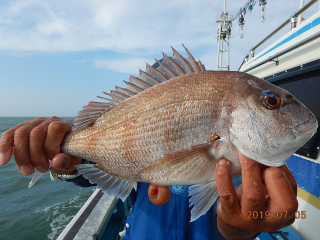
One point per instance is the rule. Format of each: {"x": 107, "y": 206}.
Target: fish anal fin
{"x": 107, "y": 183}
{"x": 183, "y": 167}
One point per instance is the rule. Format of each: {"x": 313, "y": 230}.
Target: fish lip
{"x": 308, "y": 131}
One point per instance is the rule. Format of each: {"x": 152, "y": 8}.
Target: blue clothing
{"x": 170, "y": 221}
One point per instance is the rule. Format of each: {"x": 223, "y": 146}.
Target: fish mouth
{"x": 307, "y": 127}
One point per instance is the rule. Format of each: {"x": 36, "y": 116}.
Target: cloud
{"x": 123, "y": 26}
{"x": 125, "y": 65}
{"x": 141, "y": 28}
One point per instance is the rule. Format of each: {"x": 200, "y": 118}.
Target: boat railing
{"x": 91, "y": 218}
{"x": 291, "y": 18}
{"x": 294, "y": 15}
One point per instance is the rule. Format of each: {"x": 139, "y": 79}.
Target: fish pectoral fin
{"x": 202, "y": 197}
{"x": 191, "y": 163}
{"x": 108, "y": 184}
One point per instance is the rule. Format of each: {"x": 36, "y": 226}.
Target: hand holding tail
{"x": 34, "y": 143}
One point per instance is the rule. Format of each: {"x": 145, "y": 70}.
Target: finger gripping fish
{"x": 173, "y": 123}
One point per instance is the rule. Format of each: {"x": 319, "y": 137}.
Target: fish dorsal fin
{"x": 161, "y": 71}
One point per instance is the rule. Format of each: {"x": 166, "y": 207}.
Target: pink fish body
{"x": 173, "y": 123}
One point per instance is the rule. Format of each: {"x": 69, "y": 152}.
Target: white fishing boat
{"x": 291, "y": 62}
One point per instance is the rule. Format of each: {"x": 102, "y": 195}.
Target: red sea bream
{"x": 172, "y": 124}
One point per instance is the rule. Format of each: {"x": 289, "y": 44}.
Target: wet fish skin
{"x": 173, "y": 123}
{"x": 163, "y": 129}
{"x": 162, "y": 135}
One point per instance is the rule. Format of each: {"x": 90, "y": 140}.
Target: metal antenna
{"x": 224, "y": 32}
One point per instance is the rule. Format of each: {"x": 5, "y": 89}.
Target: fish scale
{"x": 173, "y": 122}
{"x": 163, "y": 114}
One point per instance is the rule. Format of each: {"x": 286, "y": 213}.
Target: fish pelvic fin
{"x": 107, "y": 183}
{"x": 163, "y": 70}
{"x": 202, "y": 197}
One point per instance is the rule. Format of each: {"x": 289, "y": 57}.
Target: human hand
{"x": 263, "y": 189}
{"x": 34, "y": 143}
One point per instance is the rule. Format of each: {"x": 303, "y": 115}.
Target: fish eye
{"x": 271, "y": 100}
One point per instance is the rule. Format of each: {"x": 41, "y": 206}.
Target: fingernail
{"x": 26, "y": 170}
{"x": 222, "y": 162}
{"x": 2, "y": 158}
{"x": 65, "y": 162}
{"x": 41, "y": 169}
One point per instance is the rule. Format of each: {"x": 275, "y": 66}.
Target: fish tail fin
{"x": 35, "y": 178}
{"x": 108, "y": 184}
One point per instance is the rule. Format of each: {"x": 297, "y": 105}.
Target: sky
{"x": 57, "y": 55}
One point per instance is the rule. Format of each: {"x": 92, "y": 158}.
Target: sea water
{"x": 39, "y": 212}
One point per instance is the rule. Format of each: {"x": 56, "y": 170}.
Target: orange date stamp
{"x": 279, "y": 215}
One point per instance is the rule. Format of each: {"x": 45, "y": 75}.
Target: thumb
{"x": 63, "y": 163}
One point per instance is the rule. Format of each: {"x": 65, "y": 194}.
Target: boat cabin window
{"x": 307, "y": 90}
